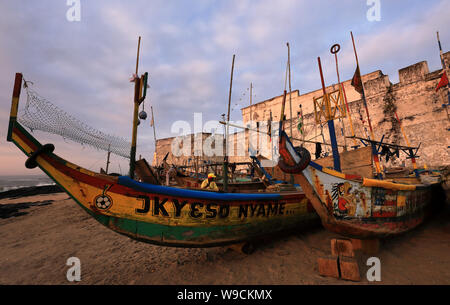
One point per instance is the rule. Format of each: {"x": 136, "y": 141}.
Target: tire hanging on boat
{"x": 31, "y": 161}
{"x": 305, "y": 157}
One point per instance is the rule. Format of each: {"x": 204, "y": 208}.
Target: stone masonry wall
{"x": 414, "y": 98}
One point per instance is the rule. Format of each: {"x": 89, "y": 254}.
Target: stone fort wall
{"x": 419, "y": 107}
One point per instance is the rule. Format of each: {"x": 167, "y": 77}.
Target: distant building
{"x": 414, "y": 97}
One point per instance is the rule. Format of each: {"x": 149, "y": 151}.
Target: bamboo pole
{"x": 137, "y": 85}
{"x": 290, "y": 88}
{"x": 154, "y": 127}
{"x": 107, "y": 158}
{"x": 345, "y": 96}
{"x": 225, "y": 163}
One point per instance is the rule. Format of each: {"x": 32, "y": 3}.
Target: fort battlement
{"x": 414, "y": 98}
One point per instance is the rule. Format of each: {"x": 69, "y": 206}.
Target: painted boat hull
{"x": 166, "y": 215}
{"x": 349, "y": 206}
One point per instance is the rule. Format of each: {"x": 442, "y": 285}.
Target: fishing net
{"x": 40, "y": 114}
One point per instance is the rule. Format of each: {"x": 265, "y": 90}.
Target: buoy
{"x": 142, "y": 115}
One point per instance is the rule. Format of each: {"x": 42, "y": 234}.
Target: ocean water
{"x": 13, "y": 182}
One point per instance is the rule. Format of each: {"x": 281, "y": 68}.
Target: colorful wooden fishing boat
{"x": 159, "y": 214}
{"x": 356, "y": 205}
{"x": 360, "y": 207}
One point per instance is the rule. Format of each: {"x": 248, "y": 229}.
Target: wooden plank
{"x": 353, "y": 162}
{"x": 145, "y": 172}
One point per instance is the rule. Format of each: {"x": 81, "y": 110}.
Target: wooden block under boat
{"x": 366, "y": 246}
{"x": 349, "y": 269}
{"x": 328, "y": 266}
{"x": 342, "y": 247}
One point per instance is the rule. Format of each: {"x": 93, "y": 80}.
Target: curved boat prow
{"x": 359, "y": 207}
{"x": 159, "y": 214}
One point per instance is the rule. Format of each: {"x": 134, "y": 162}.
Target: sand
{"x": 39, "y": 233}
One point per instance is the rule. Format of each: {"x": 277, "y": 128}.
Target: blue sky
{"x": 187, "y": 47}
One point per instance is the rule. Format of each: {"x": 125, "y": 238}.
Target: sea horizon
{"x": 11, "y": 182}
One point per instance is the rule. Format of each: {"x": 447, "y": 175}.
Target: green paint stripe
{"x": 11, "y": 124}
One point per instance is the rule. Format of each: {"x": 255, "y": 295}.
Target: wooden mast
{"x": 251, "y": 87}
{"x": 225, "y": 163}
{"x": 290, "y": 88}
{"x": 137, "y": 86}
{"x": 153, "y": 125}
{"x": 331, "y": 130}
{"x": 107, "y": 158}
{"x": 334, "y": 50}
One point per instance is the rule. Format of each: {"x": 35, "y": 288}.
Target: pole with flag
{"x": 359, "y": 87}
{"x": 444, "y": 79}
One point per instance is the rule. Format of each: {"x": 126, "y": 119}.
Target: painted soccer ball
{"x": 103, "y": 202}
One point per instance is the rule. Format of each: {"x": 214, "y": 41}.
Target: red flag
{"x": 356, "y": 81}
{"x": 443, "y": 82}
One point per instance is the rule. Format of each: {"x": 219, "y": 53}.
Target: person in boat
{"x": 209, "y": 184}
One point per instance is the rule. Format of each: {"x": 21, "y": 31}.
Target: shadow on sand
{"x": 15, "y": 209}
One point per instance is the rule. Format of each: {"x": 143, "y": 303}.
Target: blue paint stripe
{"x": 178, "y": 192}
{"x": 316, "y": 166}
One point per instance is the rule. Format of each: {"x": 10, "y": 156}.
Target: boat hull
{"x": 166, "y": 215}
{"x": 350, "y": 206}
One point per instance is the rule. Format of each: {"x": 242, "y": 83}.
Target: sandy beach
{"x": 39, "y": 233}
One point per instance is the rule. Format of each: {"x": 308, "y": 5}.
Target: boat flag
{"x": 356, "y": 81}
{"x": 443, "y": 82}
